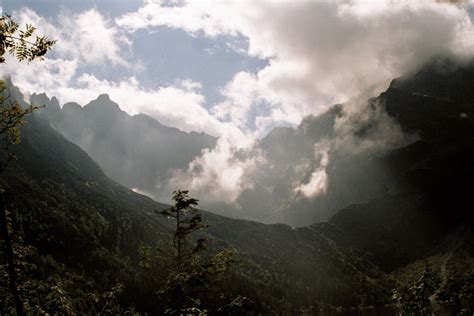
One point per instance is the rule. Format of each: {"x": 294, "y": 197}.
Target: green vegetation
{"x": 192, "y": 283}
{"x": 17, "y": 43}
{"x": 11, "y": 119}
{"x": 76, "y": 242}
{"x": 84, "y": 234}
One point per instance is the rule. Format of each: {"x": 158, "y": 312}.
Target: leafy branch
{"x": 18, "y": 43}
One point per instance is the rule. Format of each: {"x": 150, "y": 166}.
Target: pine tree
{"x": 188, "y": 220}
{"x": 184, "y": 264}
{"x": 195, "y": 279}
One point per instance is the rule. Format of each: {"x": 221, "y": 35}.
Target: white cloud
{"x": 318, "y": 181}
{"x": 364, "y": 128}
{"x": 320, "y": 52}
{"x": 217, "y": 176}
{"x": 193, "y": 16}
{"x": 180, "y": 105}
{"x": 87, "y": 37}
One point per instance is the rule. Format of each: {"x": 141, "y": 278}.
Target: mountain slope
{"x": 136, "y": 151}
{"x": 79, "y": 233}
{"x": 423, "y": 224}
{"x": 430, "y": 110}
{"x": 424, "y": 110}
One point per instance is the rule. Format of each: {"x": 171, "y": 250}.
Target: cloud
{"x": 255, "y": 101}
{"x": 90, "y": 39}
{"x": 365, "y": 126}
{"x": 87, "y": 37}
{"x": 318, "y": 181}
{"x": 320, "y": 52}
{"x": 194, "y": 17}
{"x": 217, "y": 176}
{"x": 361, "y": 127}
{"x": 180, "y": 105}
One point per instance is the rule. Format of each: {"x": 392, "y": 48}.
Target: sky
{"x": 233, "y": 69}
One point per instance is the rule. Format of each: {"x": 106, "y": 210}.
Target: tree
{"x": 188, "y": 220}
{"x": 12, "y": 117}
{"x": 414, "y": 298}
{"x": 18, "y": 42}
{"x": 184, "y": 260}
{"x": 194, "y": 280}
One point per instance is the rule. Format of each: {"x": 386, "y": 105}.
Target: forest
{"x": 380, "y": 224}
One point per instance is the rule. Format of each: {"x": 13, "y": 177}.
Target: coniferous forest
{"x": 343, "y": 196}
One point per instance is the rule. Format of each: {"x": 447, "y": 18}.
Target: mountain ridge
{"x": 137, "y": 151}
{"x": 66, "y": 206}
{"x": 369, "y": 258}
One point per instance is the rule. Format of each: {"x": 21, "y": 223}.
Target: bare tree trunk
{"x": 9, "y": 257}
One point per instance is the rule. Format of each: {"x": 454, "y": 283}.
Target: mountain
{"x": 430, "y": 194}
{"x": 136, "y": 151}
{"x": 408, "y": 247}
{"x": 420, "y": 128}
{"x": 78, "y": 233}
{"x": 142, "y": 154}
{"x": 356, "y": 170}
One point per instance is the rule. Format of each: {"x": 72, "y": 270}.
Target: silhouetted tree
{"x": 194, "y": 278}
{"x": 16, "y": 42}
{"x": 188, "y": 220}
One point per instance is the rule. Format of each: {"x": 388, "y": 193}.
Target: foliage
{"x": 86, "y": 229}
{"x": 415, "y": 298}
{"x": 12, "y": 117}
{"x": 188, "y": 220}
{"x": 47, "y": 287}
{"x": 193, "y": 282}
{"x": 17, "y": 42}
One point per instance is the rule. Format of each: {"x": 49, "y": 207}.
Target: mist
{"x": 237, "y": 157}
{"x": 318, "y": 54}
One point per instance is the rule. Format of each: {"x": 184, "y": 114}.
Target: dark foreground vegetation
{"x": 76, "y": 242}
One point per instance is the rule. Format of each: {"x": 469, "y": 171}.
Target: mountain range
{"x": 391, "y": 218}
{"x": 137, "y": 151}
{"x": 142, "y": 154}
